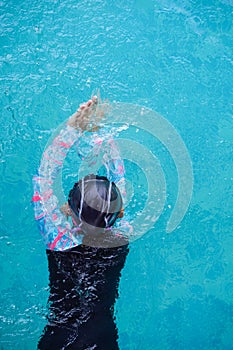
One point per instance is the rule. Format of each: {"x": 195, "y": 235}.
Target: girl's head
{"x": 96, "y": 201}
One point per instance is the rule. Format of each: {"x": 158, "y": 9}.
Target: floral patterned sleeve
{"x": 55, "y": 229}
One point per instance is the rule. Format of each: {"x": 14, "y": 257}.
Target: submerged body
{"x": 83, "y": 289}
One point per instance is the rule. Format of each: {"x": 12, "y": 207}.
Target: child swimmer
{"x": 85, "y": 260}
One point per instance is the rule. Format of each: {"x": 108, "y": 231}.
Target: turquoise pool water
{"x": 174, "y": 57}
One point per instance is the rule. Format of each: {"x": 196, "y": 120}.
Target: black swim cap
{"x": 96, "y": 201}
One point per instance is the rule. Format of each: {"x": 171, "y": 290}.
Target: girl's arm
{"x": 54, "y": 227}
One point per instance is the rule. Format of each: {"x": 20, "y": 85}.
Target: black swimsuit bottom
{"x": 83, "y": 289}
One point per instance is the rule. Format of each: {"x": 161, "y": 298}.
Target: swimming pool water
{"x": 174, "y": 57}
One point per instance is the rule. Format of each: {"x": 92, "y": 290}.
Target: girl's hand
{"x": 87, "y": 116}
